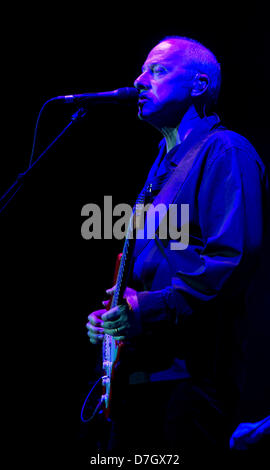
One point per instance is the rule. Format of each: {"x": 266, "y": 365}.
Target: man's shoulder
{"x": 227, "y": 139}
{"x": 224, "y": 141}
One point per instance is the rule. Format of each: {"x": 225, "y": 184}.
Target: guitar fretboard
{"x": 110, "y": 345}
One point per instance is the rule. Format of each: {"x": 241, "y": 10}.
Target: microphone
{"x": 115, "y": 96}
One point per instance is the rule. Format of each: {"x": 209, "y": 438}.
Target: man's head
{"x": 177, "y": 73}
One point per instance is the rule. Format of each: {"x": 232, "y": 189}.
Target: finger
{"x": 112, "y": 314}
{"x": 111, "y": 325}
{"x": 95, "y": 336}
{"x": 116, "y": 333}
{"x": 111, "y": 290}
{"x": 119, "y": 338}
{"x": 95, "y": 321}
{"x": 94, "y": 329}
{"x": 95, "y": 339}
{"x": 95, "y": 317}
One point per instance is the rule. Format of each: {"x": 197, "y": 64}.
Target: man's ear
{"x": 200, "y": 84}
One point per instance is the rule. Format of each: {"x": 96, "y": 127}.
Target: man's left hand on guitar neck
{"x": 121, "y": 322}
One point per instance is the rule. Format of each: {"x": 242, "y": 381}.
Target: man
{"x": 185, "y": 318}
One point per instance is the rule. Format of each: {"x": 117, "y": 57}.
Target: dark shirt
{"x": 195, "y": 296}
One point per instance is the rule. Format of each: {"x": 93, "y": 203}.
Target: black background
{"x": 51, "y": 277}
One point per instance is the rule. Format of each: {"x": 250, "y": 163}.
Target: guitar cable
{"x": 86, "y": 420}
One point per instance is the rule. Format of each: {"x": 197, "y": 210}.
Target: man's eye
{"x": 159, "y": 70}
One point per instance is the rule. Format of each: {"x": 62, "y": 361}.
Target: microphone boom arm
{"x": 115, "y": 96}
{"x": 14, "y": 188}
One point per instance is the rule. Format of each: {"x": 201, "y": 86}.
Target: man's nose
{"x": 142, "y": 83}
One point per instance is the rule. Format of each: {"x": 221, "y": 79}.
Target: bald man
{"x": 184, "y": 319}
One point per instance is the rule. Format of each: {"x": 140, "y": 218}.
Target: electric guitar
{"x": 111, "y": 348}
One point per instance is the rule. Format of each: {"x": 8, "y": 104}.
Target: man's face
{"x": 164, "y": 85}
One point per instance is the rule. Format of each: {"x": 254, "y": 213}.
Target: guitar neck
{"x": 123, "y": 272}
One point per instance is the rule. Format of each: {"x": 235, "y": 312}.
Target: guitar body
{"x": 112, "y": 393}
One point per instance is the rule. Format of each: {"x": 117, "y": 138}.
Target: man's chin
{"x": 150, "y": 118}
{"x": 144, "y": 116}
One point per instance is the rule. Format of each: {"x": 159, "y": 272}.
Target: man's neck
{"x": 176, "y": 135}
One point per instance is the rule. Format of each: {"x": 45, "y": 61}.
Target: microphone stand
{"x": 14, "y": 188}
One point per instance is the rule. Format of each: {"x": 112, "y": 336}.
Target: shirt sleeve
{"x": 230, "y": 218}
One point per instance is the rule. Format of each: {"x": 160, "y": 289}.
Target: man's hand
{"x": 94, "y": 326}
{"x": 121, "y": 322}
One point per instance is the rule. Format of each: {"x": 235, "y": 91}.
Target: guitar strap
{"x": 171, "y": 188}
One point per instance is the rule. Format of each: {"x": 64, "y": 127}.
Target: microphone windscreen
{"x": 127, "y": 93}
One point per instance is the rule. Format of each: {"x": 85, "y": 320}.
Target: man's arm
{"x": 230, "y": 206}
{"x": 230, "y": 210}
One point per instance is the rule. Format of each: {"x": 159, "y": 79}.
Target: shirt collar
{"x": 206, "y": 124}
